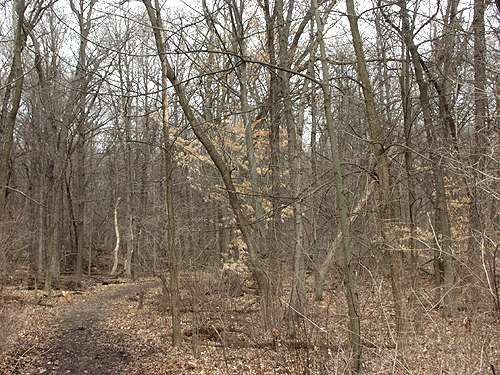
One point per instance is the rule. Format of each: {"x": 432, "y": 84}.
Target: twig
{"x": 23, "y": 194}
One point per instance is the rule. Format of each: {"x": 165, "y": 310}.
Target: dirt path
{"x": 84, "y": 343}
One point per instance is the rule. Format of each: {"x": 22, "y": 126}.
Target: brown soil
{"x": 84, "y": 344}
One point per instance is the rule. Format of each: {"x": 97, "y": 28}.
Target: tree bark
{"x": 443, "y": 260}
{"x": 298, "y": 293}
{"x": 80, "y": 83}
{"x": 275, "y": 118}
{"x": 385, "y": 209}
{"x": 117, "y": 243}
{"x": 480, "y": 141}
{"x": 248, "y": 125}
{"x": 11, "y": 102}
{"x": 157, "y": 24}
{"x": 354, "y": 326}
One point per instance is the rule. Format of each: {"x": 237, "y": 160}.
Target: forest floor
{"x": 111, "y": 329}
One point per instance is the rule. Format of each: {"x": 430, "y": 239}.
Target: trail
{"x": 83, "y": 344}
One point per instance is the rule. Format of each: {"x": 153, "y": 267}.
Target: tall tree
{"x": 83, "y": 12}
{"x": 354, "y": 326}
{"x": 480, "y": 140}
{"x": 443, "y": 261}
{"x": 11, "y": 99}
{"x": 378, "y": 144}
{"x": 154, "y": 13}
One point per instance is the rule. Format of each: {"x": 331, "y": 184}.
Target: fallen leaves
{"x": 108, "y": 333}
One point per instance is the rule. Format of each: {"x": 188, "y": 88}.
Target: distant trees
{"x": 135, "y": 140}
{"x": 10, "y": 106}
{"x": 24, "y": 18}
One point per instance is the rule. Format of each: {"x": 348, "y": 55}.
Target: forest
{"x": 249, "y": 187}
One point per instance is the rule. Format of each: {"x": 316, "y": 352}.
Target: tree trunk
{"x": 385, "y": 209}
{"x": 480, "y": 141}
{"x": 443, "y": 260}
{"x": 409, "y": 194}
{"x": 80, "y": 199}
{"x": 245, "y": 109}
{"x": 11, "y": 102}
{"x": 117, "y": 243}
{"x": 354, "y": 326}
{"x": 157, "y": 23}
{"x": 80, "y": 81}
{"x": 298, "y": 293}
{"x": 54, "y": 243}
{"x": 275, "y": 118}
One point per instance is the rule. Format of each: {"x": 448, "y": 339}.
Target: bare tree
{"x": 441, "y": 225}
{"x": 349, "y": 280}
{"x": 155, "y": 18}
{"x": 12, "y": 98}
{"x": 385, "y": 209}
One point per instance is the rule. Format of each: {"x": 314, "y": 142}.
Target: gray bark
{"x": 10, "y": 103}
{"x": 354, "y": 325}
{"x": 385, "y": 205}
{"x": 166, "y": 75}
{"x": 443, "y": 264}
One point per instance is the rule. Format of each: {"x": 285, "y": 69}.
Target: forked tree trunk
{"x": 385, "y": 205}
{"x": 129, "y": 198}
{"x": 80, "y": 191}
{"x": 354, "y": 326}
{"x": 53, "y": 175}
{"x": 443, "y": 264}
{"x": 125, "y": 106}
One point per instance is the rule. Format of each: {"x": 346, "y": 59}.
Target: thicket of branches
{"x": 298, "y": 143}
